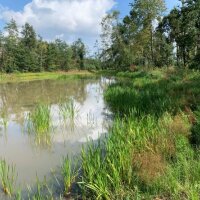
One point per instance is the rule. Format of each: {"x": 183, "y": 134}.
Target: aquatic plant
{"x": 69, "y": 172}
{"x": 69, "y": 109}
{"x": 41, "y": 191}
{"x": 39, "y": 121}
{"x": 91, "y": 121}
{"x": 39, "y": 125}
{"x": 4, "y": 119}
{"x": 8, "y": 177}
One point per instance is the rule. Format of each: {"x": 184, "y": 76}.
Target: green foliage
{"x": 137, "y": 41}
{"x": 26, "y": 52}
{"x": 195, "y": 137}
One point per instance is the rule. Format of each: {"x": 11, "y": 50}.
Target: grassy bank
{"x": 152, "y": 151}
{"x": 18, "y": 77}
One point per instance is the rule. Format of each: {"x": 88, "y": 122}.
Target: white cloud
{"x": 67, "y": 18}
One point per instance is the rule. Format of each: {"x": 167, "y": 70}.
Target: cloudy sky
{"x": 66, "y": 19}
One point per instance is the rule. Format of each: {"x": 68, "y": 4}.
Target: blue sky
{"x": 66, "y": 19}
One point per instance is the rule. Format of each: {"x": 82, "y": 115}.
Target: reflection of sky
{"x": 19, "y": 148}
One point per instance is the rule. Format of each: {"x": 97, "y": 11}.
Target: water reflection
{"x": 77, "y": 114}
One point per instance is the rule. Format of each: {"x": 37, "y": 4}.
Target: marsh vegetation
{"x": 152, "y": 150}
{"x": 45, "y": 129}
{"x": 134, "y": 135}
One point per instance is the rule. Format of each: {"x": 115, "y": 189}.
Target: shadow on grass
{"x": 154, "y": 96}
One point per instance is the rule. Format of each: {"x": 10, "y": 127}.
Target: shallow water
{"x": 21, "y": 148}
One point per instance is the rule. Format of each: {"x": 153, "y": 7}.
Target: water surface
{"x": 21, "y": 148}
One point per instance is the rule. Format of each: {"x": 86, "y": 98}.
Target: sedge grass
{"x": 70, "y": 172}
{"x": 40, "y": 119}
{"x": 8, "y": 177}
{"x": 39, "y": 124}
{"x": 69, "y": 109}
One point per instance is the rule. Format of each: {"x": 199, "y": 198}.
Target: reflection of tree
{"x": 17, "y": 98}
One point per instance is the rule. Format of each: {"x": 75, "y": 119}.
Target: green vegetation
{"x": 40, "y": 192}
{"x": 152, "y": 150}
{"x": 40, "y": 119}
{"x": 39, "y": 124}
{"x": 137, "y": 41}
{"x": 68, "y": 109}
{"x": 149, "y": 152}
{"x": 26, "y": 52}
{"x": 4, "y": 119}
{"x": 19, "y": 77}
{"x": 8, "y": 178}
{"x": 70, "y": 172}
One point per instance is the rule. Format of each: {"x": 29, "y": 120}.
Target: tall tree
{"x": 79, "y": 52}
{"x": 146, "y": 13}
{"x": 28, "y": 36}
{"x": 28, "y": 59}
{"x": 11, "y": 50}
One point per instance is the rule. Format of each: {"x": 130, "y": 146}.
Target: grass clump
{"x": 69, "y": 109}
{"x": 40, "y": 119}
{"x": 39, "y": 123}
{"x": 41, "y": 191}
{"x": 70, "y": 172}
{"x": 8, "y": 178}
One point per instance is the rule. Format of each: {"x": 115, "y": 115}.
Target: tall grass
{"x": 70, "y": 172}
{"x": 40, "y": 119}
{"x": 69, "y": 109}
{"x": 41, "y": 191}
{"x": 39, "y": 123}
{"x": 8, "y": 177}
{"x": 4, "y": 119}
{"x": 148, "y": 153}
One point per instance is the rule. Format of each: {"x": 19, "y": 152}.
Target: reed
{"x": 41, "y": 191}
{"x": 4, "y": 119}
{"x": 8, "y": 177}
{"x": 69, "y": 109}
{"x": 70, "y": 172}
{"x": 39, "y": 121}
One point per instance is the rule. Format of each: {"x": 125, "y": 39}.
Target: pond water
{"x": 39, "y": 156}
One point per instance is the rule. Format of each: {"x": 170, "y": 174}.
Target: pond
{"x": 35, "y": 154}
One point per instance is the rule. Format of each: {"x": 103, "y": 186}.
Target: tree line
{"x": 149, "y": 37}
{"x": 24, "y": 51}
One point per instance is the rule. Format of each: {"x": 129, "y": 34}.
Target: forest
{"x": 147, "y": 36}
{"x": 25, "y": 51}
{"x": 150, "y": 37}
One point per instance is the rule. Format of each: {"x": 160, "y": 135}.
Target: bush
{"x": 195, "y": 137}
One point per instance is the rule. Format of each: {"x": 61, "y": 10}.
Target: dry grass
{"x": 180, "y": 125}
{"x": 149, "y": 166}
